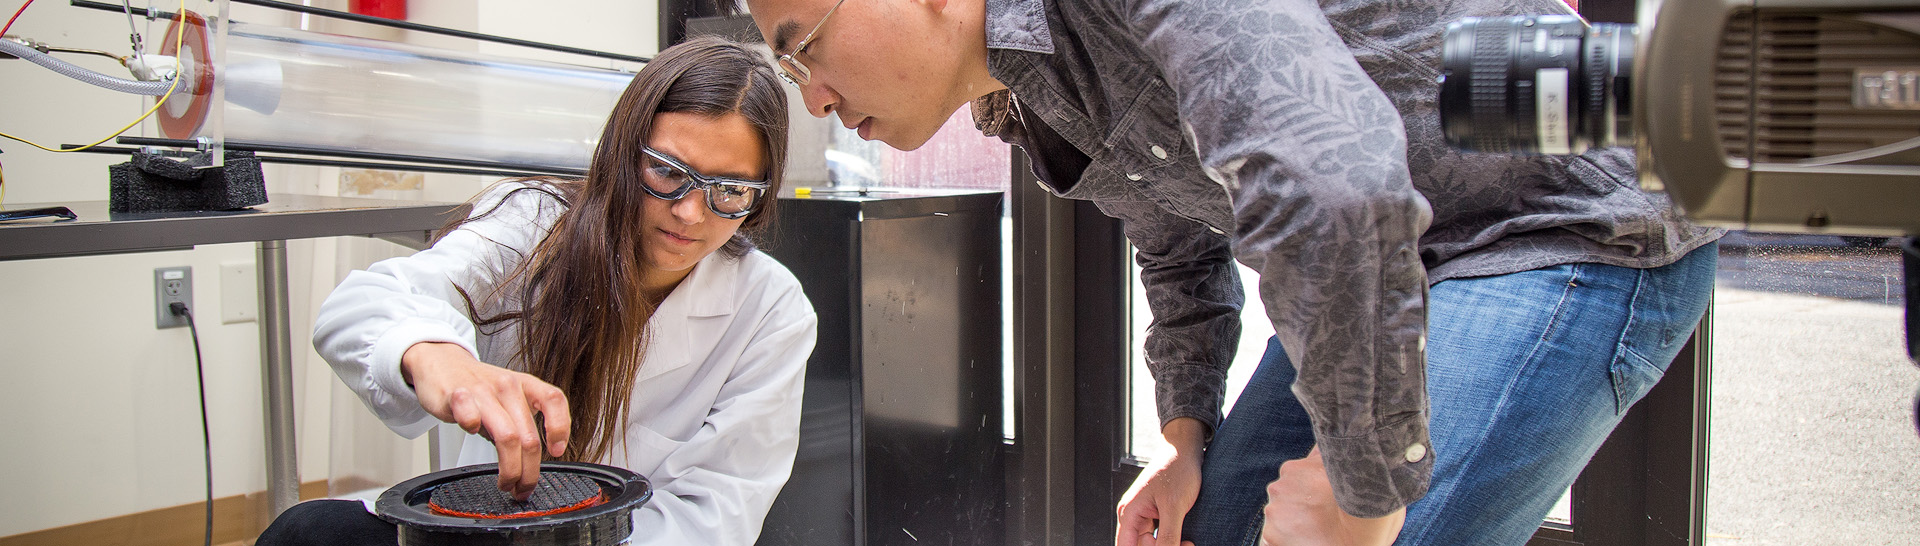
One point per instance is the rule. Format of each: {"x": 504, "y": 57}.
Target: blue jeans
{"x": 1527, "y": 373}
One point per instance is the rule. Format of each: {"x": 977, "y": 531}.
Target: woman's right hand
{"x": 494, "y": 401}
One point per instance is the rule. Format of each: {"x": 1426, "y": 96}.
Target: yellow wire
{"x": 179, "y": 40}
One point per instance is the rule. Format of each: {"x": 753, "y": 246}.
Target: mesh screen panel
{"x": 480, "y": 497}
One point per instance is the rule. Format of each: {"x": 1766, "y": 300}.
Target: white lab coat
{"x": 715, "y": 414}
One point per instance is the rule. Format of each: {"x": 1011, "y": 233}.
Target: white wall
{"x": 103, "y": 409}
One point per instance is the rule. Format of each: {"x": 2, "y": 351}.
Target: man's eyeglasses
{"x": 670, "y": 179}
{"x": 790, "y": 67}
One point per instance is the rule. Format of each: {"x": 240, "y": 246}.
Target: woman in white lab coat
{"x": 628, "y": 309}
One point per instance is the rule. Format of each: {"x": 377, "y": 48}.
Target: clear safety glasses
{"x": 791, "y": 70}
{"x": 668, "y": 178}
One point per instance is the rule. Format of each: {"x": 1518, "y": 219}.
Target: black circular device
{"x": 1547, "y": 84}
{"x": 579, "y": 504}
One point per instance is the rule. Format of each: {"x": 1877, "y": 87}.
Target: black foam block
{"x": 150, "y": 183}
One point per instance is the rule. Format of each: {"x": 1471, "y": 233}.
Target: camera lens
{"x": 1547, "y": 84}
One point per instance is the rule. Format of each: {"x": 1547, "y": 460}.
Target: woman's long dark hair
{"x": 583, "y": 324}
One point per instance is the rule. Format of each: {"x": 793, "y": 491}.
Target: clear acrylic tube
{"x": 292, "y": 87}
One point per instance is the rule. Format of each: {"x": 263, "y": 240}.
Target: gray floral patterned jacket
{"x": 1302, "y": 139}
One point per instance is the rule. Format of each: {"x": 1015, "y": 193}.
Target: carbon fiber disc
{"x": 480, "y": 497}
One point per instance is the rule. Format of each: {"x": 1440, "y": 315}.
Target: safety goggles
{"x": 668, "y": 178}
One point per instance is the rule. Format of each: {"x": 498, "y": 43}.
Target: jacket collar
{"x": 704, "y": 292}
{"x": 1018, "y": 24}
{"x": 680, "y": 329}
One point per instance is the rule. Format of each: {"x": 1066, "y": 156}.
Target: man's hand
{"x": 1152, "y": 510}
{"x": 494, "y": 401}
{"x": 1301, "y": 511}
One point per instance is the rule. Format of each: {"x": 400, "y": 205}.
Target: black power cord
{"x": 206, "y": 437}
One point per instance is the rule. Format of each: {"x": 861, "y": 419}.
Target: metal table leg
{"x": 276, "y": 361}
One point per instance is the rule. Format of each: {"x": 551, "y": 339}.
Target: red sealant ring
{"x": 188, "y": 124}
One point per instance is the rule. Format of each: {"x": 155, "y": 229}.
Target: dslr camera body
{"x": 1774, "y": 115}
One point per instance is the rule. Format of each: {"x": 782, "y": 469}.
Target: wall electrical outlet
{"x": 171, "y": 284}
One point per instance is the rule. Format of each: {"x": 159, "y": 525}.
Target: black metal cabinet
{"x": 900, "y": 439}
